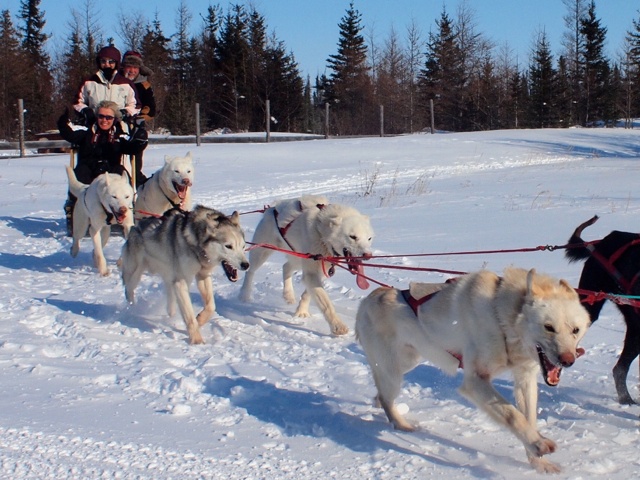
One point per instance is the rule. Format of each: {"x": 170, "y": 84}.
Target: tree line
{"x": 232, "y": 66}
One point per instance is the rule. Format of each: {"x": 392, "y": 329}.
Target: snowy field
{"x": 95, "y": 388}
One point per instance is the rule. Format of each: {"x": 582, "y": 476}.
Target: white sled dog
{"x": 169, "y": 187}
{"x": 182, "y": 246}
{"x": 106, "y": 201}
{"x": 485, "y": 324}
{"x": 311, "y": 224}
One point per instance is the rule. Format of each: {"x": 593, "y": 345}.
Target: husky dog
{"x": 169, "y": 187}
{"x": 178, "y": 247}
{"x": 612, "y": 265}
{"x": 485, "y": 324}
{"x": 107, "y": 200}
{"x": 311, "y": 225}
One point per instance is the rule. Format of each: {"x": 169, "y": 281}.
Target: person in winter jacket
{"x": 101, "y": 145}
{"x": 135, "y": 70}
{"x": 107, "y": 84}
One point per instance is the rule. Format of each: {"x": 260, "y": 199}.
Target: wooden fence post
{"x": 326, "y": 120}
{"x": 198, "y": 124}
{"x": 268, "y": 120}
{"x": 433, "y": 128}
{"x": 21, "y": 125}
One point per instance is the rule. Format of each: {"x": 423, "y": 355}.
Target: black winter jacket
{"x": 100, "y": 151}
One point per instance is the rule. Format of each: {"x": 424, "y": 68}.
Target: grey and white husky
{"x": 182, "y": 246}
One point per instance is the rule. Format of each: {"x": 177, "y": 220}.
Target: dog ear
{"x": 235, "y": 218}
{"x": 188, "y": 155}
{"x": 530, "y": 274}
{"x": 106, "y": 178}
{"x": 167, "y": 159}
{"x": 564, "y": 284}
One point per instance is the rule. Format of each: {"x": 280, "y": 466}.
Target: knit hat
{"x": 134, "y": 59}
{"x": 109, "y": 52}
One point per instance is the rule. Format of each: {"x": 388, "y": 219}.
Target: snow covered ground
{"x": 95, "y": 388}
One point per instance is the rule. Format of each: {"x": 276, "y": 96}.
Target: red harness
{"x": 283, "y": 233}
{"x": 624, "y": 284}
{"x": 415, "y": 303}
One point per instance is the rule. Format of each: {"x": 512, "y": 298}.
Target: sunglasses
{"x": 107, "y": 61}
{"x": 105, "y": 117}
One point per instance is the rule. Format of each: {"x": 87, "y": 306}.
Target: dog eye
{"x": 549, "y": 328}
{"x": 353, "y": 237}
{"x": 576, "y": 331}
{"x": 229, "y": 247}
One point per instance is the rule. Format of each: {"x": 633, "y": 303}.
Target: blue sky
{"x": 310, "y": 29}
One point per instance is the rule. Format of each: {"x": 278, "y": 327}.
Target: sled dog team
{"x": 482, "y": 322}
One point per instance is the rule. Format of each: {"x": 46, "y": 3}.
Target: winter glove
{"x": 89, "y": 116}
{"x": 139, "y": 137}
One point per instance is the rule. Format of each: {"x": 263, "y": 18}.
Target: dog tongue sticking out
{"x": 355, "y": 267}
{"x": 361, "y": 280}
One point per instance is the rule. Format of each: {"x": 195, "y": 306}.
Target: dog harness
{"x": 283, "y": 233}
{"x": 415, "y": 303}
{"x": 625, "y": 285}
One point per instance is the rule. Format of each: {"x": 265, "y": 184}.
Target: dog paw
{"x": 290, "y": 299}
{"x": 302, "y": 313}
{"x": 196, "y": 340}
{"x": 543, "y": 446}
{"x": 339, "y": 329}
{"x": 542, "y": 465}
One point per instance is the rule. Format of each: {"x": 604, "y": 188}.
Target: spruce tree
{"x": 596, "y": 67}
{"x": 349, "y": 89}
{"x": 156, "y": 51}
{"x": 12, "y": 76}
{"x": 37, "y": 93}
{"x": 442, "y": 79}
{"x": 233, "y": 67}
{"x": 542, "y": 111}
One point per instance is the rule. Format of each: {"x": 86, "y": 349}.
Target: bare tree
{"x": 415, "y": 57}
{"x": 573, "y": 43}
{"x": 131, "y": 28}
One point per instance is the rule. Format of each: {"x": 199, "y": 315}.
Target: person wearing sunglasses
{"x": 101, "y": 146}
{"x": 106, "y": 84}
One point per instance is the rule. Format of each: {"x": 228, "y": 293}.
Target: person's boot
{"x": 68, "y": 212}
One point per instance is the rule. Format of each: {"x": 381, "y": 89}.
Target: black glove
{"x": 89, "y": 115}
{"x": 140, "y": 136}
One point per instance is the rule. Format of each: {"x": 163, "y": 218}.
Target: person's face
{"x": 107, "y": 62}
{"x": 106, "y": 117}
{"x": 131, "y": 72}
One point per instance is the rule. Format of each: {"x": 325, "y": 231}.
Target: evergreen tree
{"x": 573, "y": 42}
{"x": 542, "y": 111}
{"x": 233, "y": 68}
{"x": 179, "y": 104}
{"x": 596, "y": 67}
{"x": 286, "y": 90}
{"x": 156, "y": 51}
{"x": 563, "y": 94}
{"x": 36, "y": 93}
{"x": 209, "y": 78}
{"x": 442, "y": 79}
{"x": 12, "y": 76}
{"x": 349, "y": 89}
